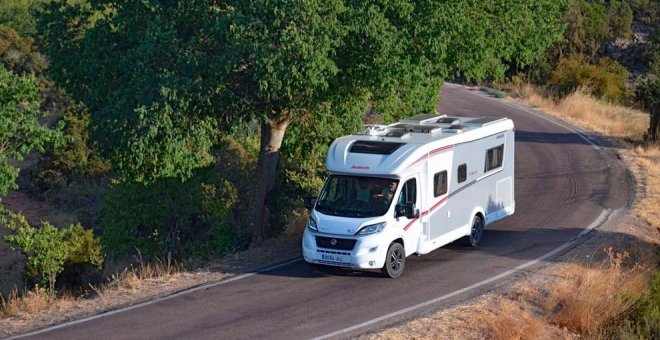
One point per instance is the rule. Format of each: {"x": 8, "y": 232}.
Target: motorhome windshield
{"x": 356, "y": 196}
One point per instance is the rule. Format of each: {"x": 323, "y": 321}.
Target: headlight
{"x": 372, "y": 229}
{"x": 311, "y": 224}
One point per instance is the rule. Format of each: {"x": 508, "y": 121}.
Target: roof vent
{"x": 450, "y": 123}
{"x": 376, "y": 130}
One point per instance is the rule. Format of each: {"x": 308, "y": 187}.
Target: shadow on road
{"x": 499, "y": 251}
{"x": 561, "y": 138}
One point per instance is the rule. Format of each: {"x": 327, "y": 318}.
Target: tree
{"x": 162, "y": 79}
{"x": 648, "y": 93}
{"x": 20, "y": 130}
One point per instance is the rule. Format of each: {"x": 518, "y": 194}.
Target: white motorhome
{"x": 410, "y": 187}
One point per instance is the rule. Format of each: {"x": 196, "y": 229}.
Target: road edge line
{"x": 151, "y": 302}
{"x": 598, "y": 221}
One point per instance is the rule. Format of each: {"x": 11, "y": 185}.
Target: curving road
{"x": 563, "y": 184}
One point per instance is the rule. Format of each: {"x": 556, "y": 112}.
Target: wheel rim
{"x": 396, "y": 261}
{"x": 477, "y": 230}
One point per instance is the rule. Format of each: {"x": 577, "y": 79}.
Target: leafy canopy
{"x": 162, "y": 79}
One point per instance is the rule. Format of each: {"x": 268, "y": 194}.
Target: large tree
{"x": 162, "y": 78}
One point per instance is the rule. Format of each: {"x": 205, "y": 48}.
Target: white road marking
{"x": 553, "y": 252}
{"x": 151, "y": 302}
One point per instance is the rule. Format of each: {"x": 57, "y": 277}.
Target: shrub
{"x": 49, "y": 249}
{"x": 648, "y": 93}
{"x": 196, "y": 217}
{"x": 76, "y": 158}
{"x": 645, "y": 322}
{"x": 605, "y": 80}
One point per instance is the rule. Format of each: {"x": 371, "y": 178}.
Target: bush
{"x": 648, "y": 93}
{"x": 605, "y": 80}
{"x": 49, "y": 250}
{"x": 198, "y": 217}
{"x": 645, "y": 323}
{"x": 76, "y": 159}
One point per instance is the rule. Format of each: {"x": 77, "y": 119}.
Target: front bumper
{"x": 367, "y": 253}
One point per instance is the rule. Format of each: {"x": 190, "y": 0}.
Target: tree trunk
{"x": 654, "y": 126}
{"x": 272, "y": 134}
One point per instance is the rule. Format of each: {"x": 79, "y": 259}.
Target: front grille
{"x": 342, "y": 243}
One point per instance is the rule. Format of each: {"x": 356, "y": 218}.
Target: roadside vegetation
{"x": 190, "y": 130}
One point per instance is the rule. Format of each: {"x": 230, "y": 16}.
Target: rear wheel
{"x": 395, "y": 261}
{"x": 476, "y": 231}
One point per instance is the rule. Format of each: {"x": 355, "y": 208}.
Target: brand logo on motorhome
{"x": 360, "y": 167}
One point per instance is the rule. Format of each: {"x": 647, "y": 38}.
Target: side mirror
{"x": 408, "y": 210}
{"x": 309, "y": 201}
{"x": 400, "y": 210}
{"x": 412, "y": 211}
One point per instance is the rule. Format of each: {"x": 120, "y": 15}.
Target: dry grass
{"x": 648, "y": 158}
{"x": 586, "y": 111}
{"x": 610, "y": 120}
{"x": 577, "y": 300}
{"x": 135, "y": 276}
{"x": 512, "y": 321}
{"x": 588, "y": 298}
{"x": 27, "y": 302}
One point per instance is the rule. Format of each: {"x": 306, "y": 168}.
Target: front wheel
{"x": 395, "y": 261}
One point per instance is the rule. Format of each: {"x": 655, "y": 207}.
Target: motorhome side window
{"x": 408, "y": 192}
{"x": 462, "y": 173}
{"x": 440, "y": 183}
{"x": 494, "y": 158}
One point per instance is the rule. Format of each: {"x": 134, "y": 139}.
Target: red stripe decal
{"x": 435, "y": 206}
{"x": 444, "y": 148}
{"x": 432, "y": 153}
{"x": 409, "y": 224}
{"x": 417, "y": 161}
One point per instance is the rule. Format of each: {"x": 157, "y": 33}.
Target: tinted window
{"x": 462, "y": 173}
{"x": 377, "y": 148}
{"x": 440, "y": 183}
{"x": 494, "y": 158}
{"x": 356, "y": 196}
{"x": 408, "y": 193}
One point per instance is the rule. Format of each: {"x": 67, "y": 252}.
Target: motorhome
{"x": 410, "y": 188}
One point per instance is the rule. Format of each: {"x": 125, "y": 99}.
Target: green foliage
{"x": 19, "y": 55}
{"x": 199, "y": 67}
{"x": 605, "y": 80}
{"x": 620, "y": 18}
{"x": 648, "y": 93}
{"x": 645, "y": 322}
{"x": 49, "y": 249}
{"x": 20, "y": 131}
{"x": 586, "y": 29}
{"x": 646, "y": 11}
{"x": 199, "y": 216}
{"x": 77, "y": 157}
{"x": 652, "y": 54}
{"x": 198, "y": 60}
{"x": 18, "y": 14}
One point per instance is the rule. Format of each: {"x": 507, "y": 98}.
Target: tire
{"x": 476, "y": 231}
{"x": 395, "y": 261}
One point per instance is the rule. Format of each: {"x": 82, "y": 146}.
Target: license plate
{"x": 334, "y": 258}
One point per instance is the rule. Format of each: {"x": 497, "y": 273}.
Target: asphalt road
{"x": 563, "y": 183}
